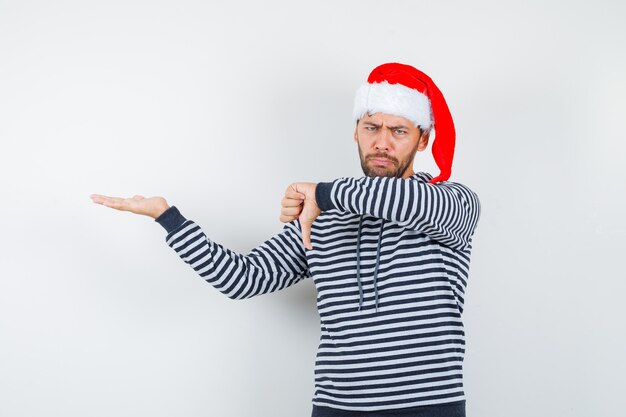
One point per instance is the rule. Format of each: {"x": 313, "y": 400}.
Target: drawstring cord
{"x": 380, "y": 234}
{"x": 358, "y": 263}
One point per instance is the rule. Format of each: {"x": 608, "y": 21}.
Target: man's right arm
{"x": 276, "y": 264}
{"x": 446, "y": 211}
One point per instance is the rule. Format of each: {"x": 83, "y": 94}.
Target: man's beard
{"x": 396, "y": 169}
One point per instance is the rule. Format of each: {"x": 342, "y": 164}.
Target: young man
{"x": 389, "y": 254}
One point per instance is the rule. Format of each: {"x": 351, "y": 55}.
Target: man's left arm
{"x": 446, "y": 211}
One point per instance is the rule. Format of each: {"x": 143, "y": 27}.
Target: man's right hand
{"x": 291, "y": 205}
{"x": 138, "y": 204}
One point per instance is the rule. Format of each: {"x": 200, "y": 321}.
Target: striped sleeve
{"x": 446, "y": 211}
{"x": 274, "y": 265}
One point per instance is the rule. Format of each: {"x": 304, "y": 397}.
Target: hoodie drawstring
{"x": 358, "y": 263}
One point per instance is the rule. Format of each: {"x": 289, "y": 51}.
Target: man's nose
{"x": 383, "y": 139}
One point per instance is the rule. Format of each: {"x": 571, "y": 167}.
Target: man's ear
{"x": 423, "y": 141}
{"x": 356, "y": 135}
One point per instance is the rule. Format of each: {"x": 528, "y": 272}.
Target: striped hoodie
{"x": 390, "y": 263}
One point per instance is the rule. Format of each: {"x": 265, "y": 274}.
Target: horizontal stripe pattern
{"x": 410, "y": 353}
{"x": 276, "y": 264}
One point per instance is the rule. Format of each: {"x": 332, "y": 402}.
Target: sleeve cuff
{"x": 322, "y": 196}
{"x": 171, "y": 219}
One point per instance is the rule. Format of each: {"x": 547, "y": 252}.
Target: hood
{"x": 358, "y": 263}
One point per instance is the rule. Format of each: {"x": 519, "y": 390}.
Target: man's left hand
{"x": 310, "y": 210}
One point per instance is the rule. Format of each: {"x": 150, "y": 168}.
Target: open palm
{"x": 138, "y": 204}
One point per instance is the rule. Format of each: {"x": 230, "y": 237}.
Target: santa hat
{"x": 403, "y": 90}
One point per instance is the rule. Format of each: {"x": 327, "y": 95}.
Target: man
{"x": 389, "y": 254}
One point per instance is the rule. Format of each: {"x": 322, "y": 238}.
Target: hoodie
{"x": 390, "y": 263}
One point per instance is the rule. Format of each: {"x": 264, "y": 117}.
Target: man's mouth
{"x": 381, "y": 161}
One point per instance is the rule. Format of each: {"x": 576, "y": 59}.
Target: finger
{"x": 286, "y": 202}
{"x": 290, "y": 202}
{"x": 116, "y": 203}
{"x": 287, "y": 219}
{"x": 98, "y": 198}
{"x": 306, "y": 235}
{"x": 291, "y": 211}
{"x": 113, "y": 202}
{"x": 291, "y": 193}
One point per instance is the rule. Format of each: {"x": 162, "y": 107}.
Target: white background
{"x": 219, "y": 108}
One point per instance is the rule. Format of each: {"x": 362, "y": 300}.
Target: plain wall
{"x": 218, "y": 107}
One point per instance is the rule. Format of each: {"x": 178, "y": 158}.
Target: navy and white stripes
{"x": 447, "y": 212}
{"x": 274, "y": 265}
{"x": 408, "y": 353}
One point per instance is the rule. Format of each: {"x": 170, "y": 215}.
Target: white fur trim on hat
{"x": 395, "y": 99}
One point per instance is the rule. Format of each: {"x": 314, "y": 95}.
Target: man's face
{"x": 387, "y": 145}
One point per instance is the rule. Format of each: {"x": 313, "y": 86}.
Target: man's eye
{"x": 370, "y": 128}
{"x": 400, "y": 132}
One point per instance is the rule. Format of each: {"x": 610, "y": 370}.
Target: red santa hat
{"x": 403, "y": 90}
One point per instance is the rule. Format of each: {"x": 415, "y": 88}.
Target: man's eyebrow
{"x": 389, "y": 127}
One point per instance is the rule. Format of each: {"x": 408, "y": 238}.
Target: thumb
{"x": 306, "y": 233}
{"x": 309, "y": 213}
